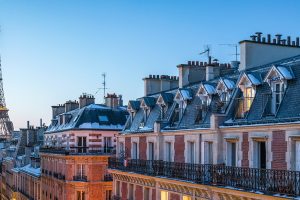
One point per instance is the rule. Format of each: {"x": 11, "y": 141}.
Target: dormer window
{"x": 277, "y": 79}
{"x": 224, "y": 89}
{"x": 247, "y": 84}
{"x": 164, "y": 100}
{"x": 133, "y": 107}
{"x": 277, "y": 95}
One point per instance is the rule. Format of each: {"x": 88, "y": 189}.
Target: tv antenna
{"x": 236, "y": 54}
{"x": 206, "y": 51}
{"x": 103, "y": 86}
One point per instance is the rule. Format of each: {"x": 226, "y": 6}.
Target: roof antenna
{"x": 103, "y": 86}
{"x": 207, "y": 51}
{"x": 236, "y": 54}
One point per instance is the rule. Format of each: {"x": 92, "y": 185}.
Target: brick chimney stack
{"x": 85, "y": 100}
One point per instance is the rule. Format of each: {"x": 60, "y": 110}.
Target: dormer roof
{"x": 253, "y": 79}
{"x": 165, "y": 98}
{"x": 183, "y": 94}
{"x": 279, "y": 72}
{"x": 226, "y": 83}
{"x": 148, "y": 102}
{"x": 134, "y": 105}
{"x": 206, "y": 89}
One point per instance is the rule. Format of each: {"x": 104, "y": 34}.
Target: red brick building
{"x": 78, "y": 143}
{"x": 227, "y": 131}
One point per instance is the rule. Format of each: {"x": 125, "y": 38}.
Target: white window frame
{"x": 168, "y": 146}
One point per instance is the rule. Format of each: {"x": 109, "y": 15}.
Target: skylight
{"x": 103, "y": 118}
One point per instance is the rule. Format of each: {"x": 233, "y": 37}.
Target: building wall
{"x": 95, "y": 138}
{"x": 94, "y": 166}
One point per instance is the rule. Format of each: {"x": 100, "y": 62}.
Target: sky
{"x": 53, "y": 50}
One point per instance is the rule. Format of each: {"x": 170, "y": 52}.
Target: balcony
{"x": 78, "y": 150}
{"x": 80, "y": 178}
{"x": 115, "y": 197}
{"x": 268, "y": 181}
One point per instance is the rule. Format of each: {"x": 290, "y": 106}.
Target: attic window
{"x": 278, "y": 89}
{"x": 103, "y": 118}
{"x": 244, "y": 103}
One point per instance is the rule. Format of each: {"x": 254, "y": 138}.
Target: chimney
{"x": 211, "y": 72}
{"x": 28, "y": 124}
{"x": 269, "y": 38}
{"x": 71, "y": 105}
{"x": 278, "y": 38}
{"x": 254, "y": 53}
{"x": 41, "y": 122}
{"x": 85, "y": 100}
{"x": 154, "y": 84}
{"x": 258, "y": 36}
{"x": 191, "y": 73}
{"x": 112, "y": 100}
{"x": 57, "y": 110}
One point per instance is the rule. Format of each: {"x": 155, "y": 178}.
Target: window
{"x": 168, "y": 151}
{"x": 130, "y": 193}
{"x": 108, "y": 194}
{"x": 186, "y": 197}
{"x": 164, "y": 195}
{"x": 260, "y": 154}
{"x": 150, "y": 151}
{"x": 118, "y": 189}
{"x": 81, "y": 144}
{"x": 208, "y": 153}
{"x": 121, "y": 148}
{"x": 103, "y": 118}
{"x": 80, "y": 195}
{"x": 81, "y": 172}
{"x": 231, "y": 154}
{"x": 191, "y": 152}
{"x": 297, "y": 156}
{"x": 107, "y": 144}
{"x": 277, "y": 95}
{"x": 249, "y": 94}
{"x": 134, "y": 150}
{"x": 146, "y": 194}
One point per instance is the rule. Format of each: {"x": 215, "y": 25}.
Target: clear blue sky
{"x": 52, "y": 51}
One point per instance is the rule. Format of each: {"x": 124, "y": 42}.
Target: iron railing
{"x": 268, "y": 181}
{"x": 79, "y": 150}
{"x": 115, "y": 197}
{"x": 80, "y": 178}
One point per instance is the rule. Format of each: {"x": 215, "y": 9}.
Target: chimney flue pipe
{"x": 288, "y": 40}
{"x": 258, "y": 36}
{"x": 269, "y": 38}
{"x": 278, "y": 36}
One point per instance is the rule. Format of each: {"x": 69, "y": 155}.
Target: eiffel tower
{"x": 6, "y": 126}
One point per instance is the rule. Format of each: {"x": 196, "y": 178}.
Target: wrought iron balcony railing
{"x": 80, "y": 178}
{"x": 268, "y": 181}
{"x": 79, "y": 150}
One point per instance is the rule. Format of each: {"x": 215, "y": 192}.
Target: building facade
{"x": 78, "y": 143}
{"x": 227, "y": 132}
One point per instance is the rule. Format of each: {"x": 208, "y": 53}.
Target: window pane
{"x": 164, "y": 195}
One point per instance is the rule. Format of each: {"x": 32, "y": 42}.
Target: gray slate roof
{"x": 289, "y": 110}
{"x": 94, "y": 116}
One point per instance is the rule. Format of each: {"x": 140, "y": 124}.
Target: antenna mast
{"x": 236, "y": 54}
{"x": 104, "y": 86}
{"x": 207, "y": 51}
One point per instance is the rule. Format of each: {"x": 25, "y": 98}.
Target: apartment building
{"x": 226, "y": 131}
{"x": 79, "y": 141}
